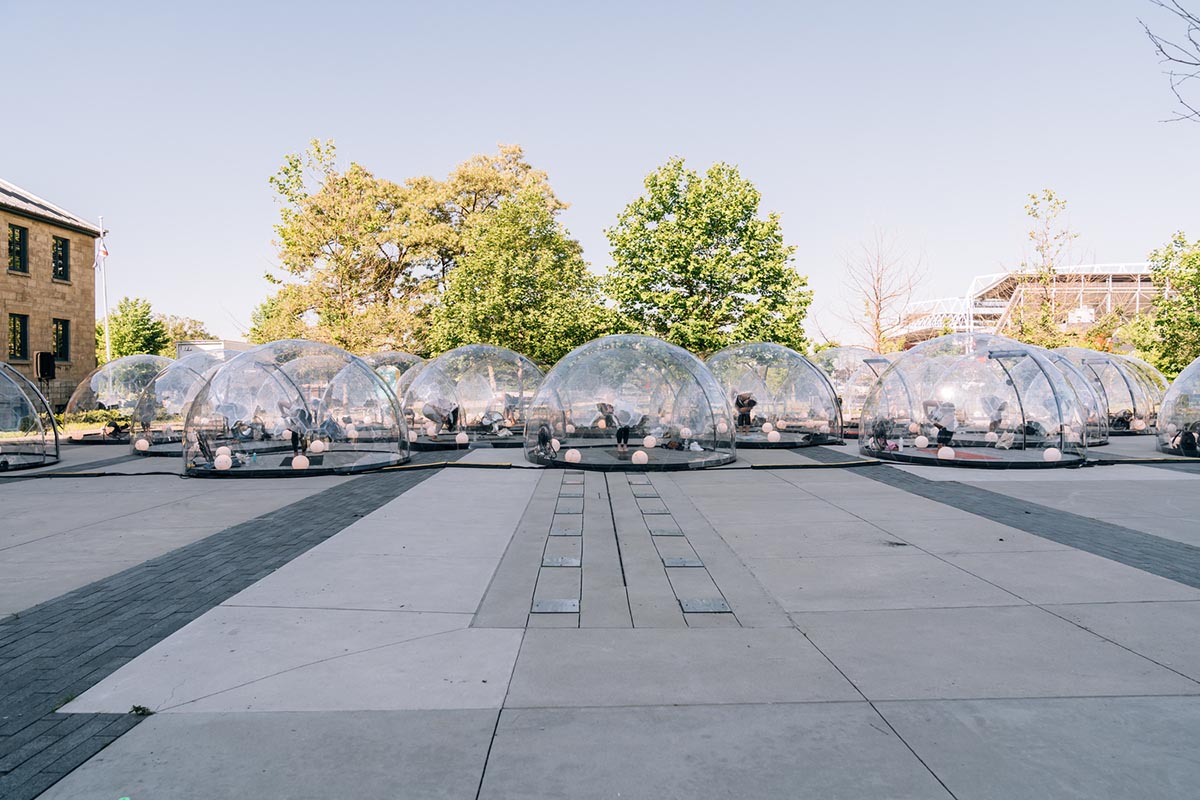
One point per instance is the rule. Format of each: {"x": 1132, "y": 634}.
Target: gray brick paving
{"x": 59, "y": 649}
{"x": 1167, "y": 558}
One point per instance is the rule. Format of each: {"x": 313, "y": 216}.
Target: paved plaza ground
{"x": 781, "y": 627}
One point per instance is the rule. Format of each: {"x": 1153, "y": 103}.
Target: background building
{"x": 1083, "y": 294}
{"x": 47, "y": 289}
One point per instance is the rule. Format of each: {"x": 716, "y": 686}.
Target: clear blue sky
{"x": 932, "y": 120}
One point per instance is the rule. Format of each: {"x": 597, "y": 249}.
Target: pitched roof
{"x": 14, "y": 198}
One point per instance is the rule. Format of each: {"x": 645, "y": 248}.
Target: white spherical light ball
{"x": 430, "y": 429}
{"x": 685, "y": 433}
{"x": 573, "y": 456}
{"x": 222, "y": 462}
{"x": 570, "y": 428}
{"x": 767, "y": 427}
{"x": 141, "y": 445}
{"x": 1172, "y": 428}
{"x": 461, "y": 438}
{"x": 412, "y": 436}
{"x": 823, "y": 429}
{"x": 914, "y": 427}
{"x": 1139, "y": 424}
{"x": 555, "y": 445}
{"x": 650, "y": 442}
{"x": 285, "y": 434}
{"x": 300, "y": 462}
{"x": 946, "y": 453}
{"x": 773, "y": 437}
{"x": 991, "y": 436}
{"x": 601, "y": 424}
{"x": 639, "y": 457}
{"x": 1052, "y": 454}
{"x": 76, "y": 436}
{"x": 352, "y": 431}
{"x": 224, "y": 451}
{"x": 318, "y": 447}
{"x": 921, "y": 442}
{"x": 781, "y": 425}
{"x": 722, "y": 427}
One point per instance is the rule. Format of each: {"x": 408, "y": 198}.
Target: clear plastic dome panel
{"x": 102, "y": 407}
{"x": 28, "y": 436}
{"x": 158, "y": 417}
{"x": 290, "y": 407}
{"x": 1131, "y": 403}
{"x": 780, "y": 398}
{"x": 974, "y": 400}
{"x": 475, "y": 393}
{"x": 630, "y": 402}
{"x": 1179, "y": 416}
{"x": 852, "y": 371}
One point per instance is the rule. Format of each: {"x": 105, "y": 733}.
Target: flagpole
{"x": 104, "y": 283}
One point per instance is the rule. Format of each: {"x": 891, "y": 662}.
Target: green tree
{"x": 180, "y": 329}
{"x": 1176, "y": 272}
{"x": 134, "y": 328}
{"x": 364, "y": 258}
{"x": 1037, "y": 318}
{"x": 522, "y": 284}
{"x": 695, "y": 265}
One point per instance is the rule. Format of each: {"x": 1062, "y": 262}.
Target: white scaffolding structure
{"x": 1081, "y": 293}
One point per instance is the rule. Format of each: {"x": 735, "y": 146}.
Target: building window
{"x": 62, "y": 340}
{"x": 18, "y": 248}
{"x": 18, "y": 337}
{"x": 62, "y": 259}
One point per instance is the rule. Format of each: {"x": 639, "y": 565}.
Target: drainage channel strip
{"x": 616, "y": 557}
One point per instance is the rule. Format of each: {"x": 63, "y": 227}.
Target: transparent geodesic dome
{"x": 852, "y": 371}
{"x": 158, "y": 416}
{"x": 1129, "y": 397}
{"x": 1090, "y": 394}
{"x": 396, "y": 368}
{"x": 293, "y": 407}
{"x": 28, "y": 435}
{"x": 475, "y": 393}
{"x": 1179, "y": 415}
{"x": 630, "y": 403}
{"x": 974, "y": 400}
{"x": 103, "y": 405}
{"x": 779, "y": 397}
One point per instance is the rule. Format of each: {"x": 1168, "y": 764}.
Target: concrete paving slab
{"x": 915, "y": 580}
{"x": 1168, "y": 633}
{"x": 825, "y": 751}
{"x": 612, "y": 667}
{"x": 1057, "y": 749}
{"x": 976, "y": 535}
{"x": 1071, "y": 576}
{"x": 949, "y": 653}
{"x": 383, "y": 755}
{"x": 231, "y": 646}
{"x": 467, "y": 668}
{"x": 376, "y": 582}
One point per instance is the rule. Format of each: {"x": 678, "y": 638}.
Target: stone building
{"x": 47, "y": 289}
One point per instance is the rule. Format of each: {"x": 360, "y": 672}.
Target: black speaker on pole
{"x": 43, "y": 365}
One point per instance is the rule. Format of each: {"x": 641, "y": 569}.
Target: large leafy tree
{"x": 180, "y": 329}
{"x": 134, "y": 329}
{"x": 695, "y": 264}
{"x": 1176, "y": 271}
{"x": 364, "y": 258}
{"x": 522, "y": 283}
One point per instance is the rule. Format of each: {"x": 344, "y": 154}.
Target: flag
{"x": 101, "y": 253}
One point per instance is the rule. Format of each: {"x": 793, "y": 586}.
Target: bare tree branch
{"x": 882, "y": 278}
{"x": 1177, "y": 54}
